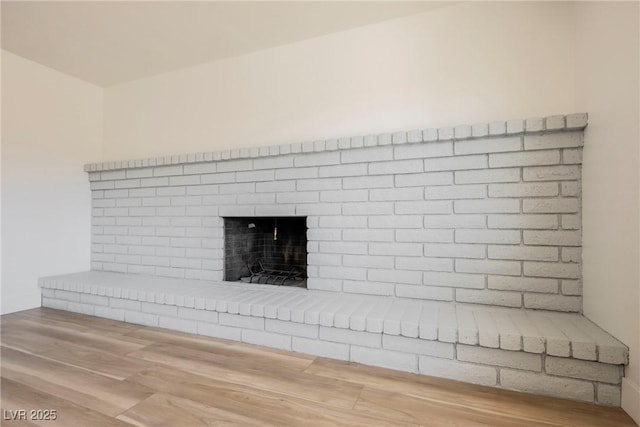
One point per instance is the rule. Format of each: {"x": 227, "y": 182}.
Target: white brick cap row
{"x": 530, "y": 331}
{"x": 556, "y": 123}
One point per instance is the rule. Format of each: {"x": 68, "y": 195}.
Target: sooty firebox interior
{"x": 266, "y": 250}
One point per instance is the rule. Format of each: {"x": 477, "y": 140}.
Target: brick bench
{"x": 543, "y": 352}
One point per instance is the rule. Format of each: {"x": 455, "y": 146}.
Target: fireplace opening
{"x": 266, "y": 250}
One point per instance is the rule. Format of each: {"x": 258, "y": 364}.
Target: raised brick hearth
{"x": 441, "y": 251}
{"x": 557, "y": 354}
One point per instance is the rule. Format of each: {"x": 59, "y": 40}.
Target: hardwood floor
{"x": 97, "y": 372}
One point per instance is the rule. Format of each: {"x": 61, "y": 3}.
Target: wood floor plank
{"x": 266, "y": 406}
{"x": 68, "y": 414}
{"x": 80, "y": 321}
{"x": 114, "y": 344}
{"x": 109, "y": 364}
{"x": 167, "y": 410}
{"x": 33, "y": 344}
{"x": 256, "y": 373}
{"x": 100, "y": 393}
{"x": 99, "y": 361}
{"x": 401, "y": 407}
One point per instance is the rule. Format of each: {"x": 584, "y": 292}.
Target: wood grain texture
{"x": 98, "y": 372}
{"x": 268, "y": 407}
{"x": 68, "y": 414}
{"x": 98, "y": 392}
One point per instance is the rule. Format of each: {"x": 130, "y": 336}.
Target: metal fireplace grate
{"x": 259, "y": 274}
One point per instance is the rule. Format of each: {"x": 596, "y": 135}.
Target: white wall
{"x": 51, "y": 126}
{"x": 458, "y": 64}
{"x": 607, "y": 87}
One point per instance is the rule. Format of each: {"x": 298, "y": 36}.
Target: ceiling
{"x": 110, "y": 42}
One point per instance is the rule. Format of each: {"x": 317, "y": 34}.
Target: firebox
{"x": 266, "y": 250}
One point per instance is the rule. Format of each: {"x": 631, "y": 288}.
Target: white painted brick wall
{"x": 418, "y": 207}
{"x": 346, "y": 336}
{"x": 424, "y": 264}
{"x": 510, "y": 268}
{"x": 370, "y": 288}
{"x": 551, "y": 173}
{"x": 487, "y": 206}
{"x": 571, "y": 287}
{"x": 415, "y": 151}
{"x": 425, "y": 236}
{"x": 54, "y": 303}
{"x": 454, "y": 250}
{"x": 418, "y": 346}
{"x": 368, "y": 235}
{"x": 455, "y": 221}
{"x": 523, "y": 221}
{"x": 565, "y": 205}
{"x": 523, "y": 252}
{"x": 292, "y": 328}
{"x": 65, "y": 295}
{"x": 454, "y": 370}
{"x": 490, "y": 356}
{"x": 553, "y": 140}
{"x": 553, "y": 302}
{"x": 94, "y": 299}
{"x": 582, "y": 369}
{"x": 487, "y": 176}
{"x": 419, "y": 179}
{"x": 396, "y": 167}
{"x": 383, "y": 181}
{"x": 384, "y": 358}
{"x": 456, "y": 192}
{"x": 543, "y": 384}
{"x": 524, "y": 190}
{"x": 487, "y": 236}
{"x": 320, "y": 348}
{"x": 489, "y": 145}
{"x": 109, "y": 313}
{"x": 140, "y": 318}
{"x": 219, "y": 331}
{"x": 456, "y": 163}
{"x": 182, "y": 325}
{"x": 80, "y": 308}
{"x": 549, "y": 269}
{"x": 454, "y": 280}
{"x": 239, "y": 321}
{"x": 571, "y": 254}
{"x": 533, "y": 158}
{"x": 462, "y": 205}
{"x": 528, "y": 284}
{"x": 489, "y": 297}
{"x": 609, "y": 395}
{"x": 282, "y": 342}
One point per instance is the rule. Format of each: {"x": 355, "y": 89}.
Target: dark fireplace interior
{"x": 266, "y": 250}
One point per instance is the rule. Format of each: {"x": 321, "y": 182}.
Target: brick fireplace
{"x": 453, "y": 252}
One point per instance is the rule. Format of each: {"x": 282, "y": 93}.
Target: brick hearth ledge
{"x": 453, "y": 252}
{"x": 558, "y": 354}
